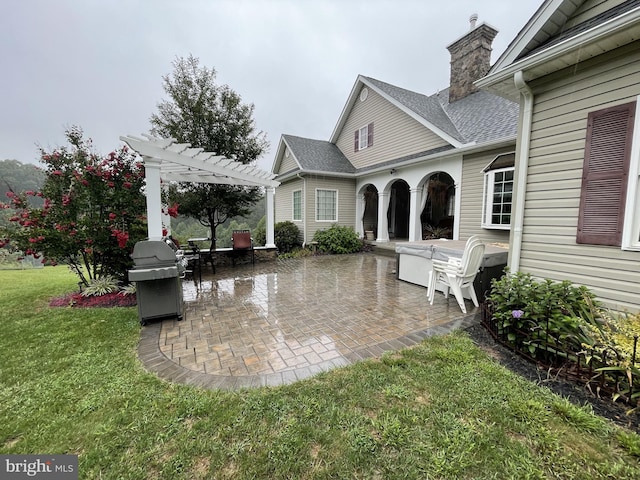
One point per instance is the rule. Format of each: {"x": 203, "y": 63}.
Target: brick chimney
{"x": 470, "y": 59}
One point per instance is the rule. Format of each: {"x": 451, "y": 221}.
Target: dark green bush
{"x": 260, "y": 233}
{"x": 286, "y": 236}
{"x": 338, "y": 239}
{"x": 544, "y": 315}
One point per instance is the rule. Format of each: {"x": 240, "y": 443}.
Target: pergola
{"x": 166, "y": 160}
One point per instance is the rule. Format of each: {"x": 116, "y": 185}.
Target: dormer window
{"x": 363, "y": 138}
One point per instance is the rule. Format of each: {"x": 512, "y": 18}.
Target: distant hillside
{"x": 19, "y": 177}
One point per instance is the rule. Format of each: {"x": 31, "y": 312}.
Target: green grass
{"x": 70, "y": 382}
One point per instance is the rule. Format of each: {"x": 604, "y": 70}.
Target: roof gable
{"x": 477, "y": 118}
{"x": 561, "y": 34}
{"x": 314, "y": 155}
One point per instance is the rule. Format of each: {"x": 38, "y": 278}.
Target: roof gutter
{"x": 522, "y": 167}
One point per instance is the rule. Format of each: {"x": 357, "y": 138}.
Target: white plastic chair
{"x": 458, "y": 274}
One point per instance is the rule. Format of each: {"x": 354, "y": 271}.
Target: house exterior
{"x": 402, "y": 164}
{"x": 575, "y": 70}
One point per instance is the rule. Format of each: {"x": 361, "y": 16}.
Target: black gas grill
{"x": 157, "y": 271}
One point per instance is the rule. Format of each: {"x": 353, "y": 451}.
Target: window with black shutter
{"x": 605, "y": 175}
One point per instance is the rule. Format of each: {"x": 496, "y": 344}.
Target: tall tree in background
{"x": 211, "y": 117}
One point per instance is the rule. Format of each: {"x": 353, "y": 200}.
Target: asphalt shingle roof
{"x": 318, "y": 155}
{"x": 477, "y": 118}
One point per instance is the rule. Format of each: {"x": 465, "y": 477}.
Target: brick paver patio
{"x": 279, "y": 322}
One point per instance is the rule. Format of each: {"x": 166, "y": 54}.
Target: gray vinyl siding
{"x": 288, "y": 163}
{"x": 346, "y": 202}
{"x": 471, "y": 199}
{"x": 562, "y": 104}
{"x": 590, "y": 9}
{"x": 395, "y": 134}
{"x": 284, "y": 202}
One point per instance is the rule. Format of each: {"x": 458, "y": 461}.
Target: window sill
{"x": 497, "y": 227}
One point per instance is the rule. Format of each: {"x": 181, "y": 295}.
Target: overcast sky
{"x": 99, "y": 63}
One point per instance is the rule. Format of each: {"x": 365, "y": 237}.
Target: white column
{"x": 360, "y": 206}
{"x": 270, "y": 218}
{"x": 415, "y": 227}
{"x": 383, "y": 225}
{"x": 154, "y": 198}
{"x": 166, "y": 218}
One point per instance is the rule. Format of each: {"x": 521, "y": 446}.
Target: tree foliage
{"x": 214, "y": 118}
{"x": 93, "y": 211}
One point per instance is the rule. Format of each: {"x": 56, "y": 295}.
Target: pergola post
{"x": 154, "y": 198}
{"x": 270, "y": 243}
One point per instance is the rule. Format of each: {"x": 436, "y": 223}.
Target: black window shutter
{"x": 370, "y": 135}
{"x": 355, "y": 141}
{"x": 604, "y": 175}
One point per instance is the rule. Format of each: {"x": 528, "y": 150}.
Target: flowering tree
{"x": 93, "y": 210}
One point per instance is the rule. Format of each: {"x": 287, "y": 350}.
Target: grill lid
{"x": 150, "y": 253}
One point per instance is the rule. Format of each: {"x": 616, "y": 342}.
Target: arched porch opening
{"x": 370, "y": 215}
{"x": 438, "y": 209}
{"x": 398, "y": 211}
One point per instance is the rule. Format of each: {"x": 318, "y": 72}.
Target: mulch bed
{"x": 108, "y": 300}
{"x": 575, "y": 392}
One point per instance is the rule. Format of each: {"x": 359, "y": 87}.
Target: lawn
{"x": 70, "y": 382}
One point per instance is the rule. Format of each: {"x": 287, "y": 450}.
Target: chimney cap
{"x": 472, "y": 21}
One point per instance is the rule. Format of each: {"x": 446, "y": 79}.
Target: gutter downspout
{"x": 523, "y": 168}
{"x": 304, "y": 208}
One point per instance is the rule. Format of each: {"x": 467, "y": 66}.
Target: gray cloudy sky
{"x": 99, "y": 63}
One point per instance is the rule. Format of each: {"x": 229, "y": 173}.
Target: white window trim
{"x": 316, "y": 206}
{"x": 363, "y": 133}
{"x": 631, "y": 229}
{"x": 293, "y": 206}
{"x": 487, "y": 203}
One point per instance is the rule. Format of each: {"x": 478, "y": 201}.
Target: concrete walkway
{"x": 276, "y": 323}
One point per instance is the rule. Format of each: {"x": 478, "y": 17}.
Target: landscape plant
{"x": 565, "y": 328}
{"x": 93, "y": 210}
{"x": 286, "y": 236}
{"x": 338, "y": 239}
{"x": 547, "y": 317}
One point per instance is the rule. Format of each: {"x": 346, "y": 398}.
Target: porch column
{"x": 360, "y": 206}
{"x": 270, "y": 243}
{"x": 383, "y": 225}
{"x": 154, "y": 198}
{"x": 415, "y": 227}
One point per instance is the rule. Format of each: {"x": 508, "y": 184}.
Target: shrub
{"x": 546, "y": 315}
{"x": 92, "y": 212}
{"x": 260, "y": 232}
{"x": 101, "y": 286}
{"x": 286, "y": 236}
{"x": 338, "y": 239}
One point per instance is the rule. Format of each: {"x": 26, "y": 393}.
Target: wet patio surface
{"x": 279, "y": 322}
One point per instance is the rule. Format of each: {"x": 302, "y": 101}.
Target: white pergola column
{"x": 383, "y": 224}
{"x": 270, "y": 243}
{"x": 154, "y": 198}
{"x": 415, "y": 227}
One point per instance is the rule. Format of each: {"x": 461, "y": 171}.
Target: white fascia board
{"x": 345, "y": 110}
{"x": 527, "y": 34}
